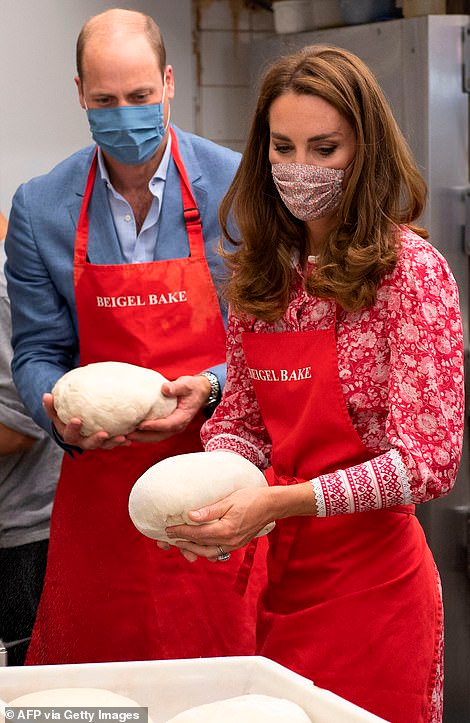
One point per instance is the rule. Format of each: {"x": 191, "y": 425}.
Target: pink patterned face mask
{"x": 308, "y": 191}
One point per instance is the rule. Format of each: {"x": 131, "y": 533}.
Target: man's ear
{"x": 169, "y": 82}
{"x": 81, "y": 97}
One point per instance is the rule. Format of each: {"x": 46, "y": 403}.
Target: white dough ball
{"x": 251, "y": 708}
{"x": 166, "y": 492}
{"x": 111, "y": 396}
{"x": 83, "y": 697}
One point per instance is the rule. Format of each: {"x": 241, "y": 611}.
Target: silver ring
{"x": 222, "y": 556}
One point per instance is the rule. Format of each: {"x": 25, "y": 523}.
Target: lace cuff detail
{"x": 319, "y": 498}
{"x": 232, "y": 443}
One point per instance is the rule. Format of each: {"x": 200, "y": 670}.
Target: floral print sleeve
{"x": 401, "y": 370}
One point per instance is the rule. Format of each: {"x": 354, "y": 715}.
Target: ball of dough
{"x": 111, "y": 396}
{"x": 83, "y": 697}
{"x": 170, "y": 489}
{"x": 251, "y": 708}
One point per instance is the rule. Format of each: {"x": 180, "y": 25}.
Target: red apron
{"x": 110, "y": 593}
{"x": 352, "y": 601}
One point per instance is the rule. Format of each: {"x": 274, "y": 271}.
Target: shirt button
{"x": 127, "y": 217}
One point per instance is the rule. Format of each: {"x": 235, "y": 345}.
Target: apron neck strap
{"x": 192, "y": 218}
{"x": 81, "y": 237}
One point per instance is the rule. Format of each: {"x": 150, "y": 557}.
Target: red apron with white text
{"x": 110, "y": 593}
{"x": 352, "y": 601}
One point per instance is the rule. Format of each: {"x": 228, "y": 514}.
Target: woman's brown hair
{"x": 385, "y": 189}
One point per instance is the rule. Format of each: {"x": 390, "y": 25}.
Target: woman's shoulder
{"x": 421, "y": 278}
{"x": 419, "y": 261}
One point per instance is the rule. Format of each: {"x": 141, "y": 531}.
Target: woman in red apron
{"x": 110, "y": 593}
{"x": 345, "y": 382}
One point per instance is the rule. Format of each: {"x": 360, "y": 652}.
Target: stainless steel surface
{"x": 420, "y": 65}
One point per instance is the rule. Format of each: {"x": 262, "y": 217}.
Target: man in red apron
{"x": 145, "y": 298}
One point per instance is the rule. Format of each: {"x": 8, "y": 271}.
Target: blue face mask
{"x": 130, "y": 133}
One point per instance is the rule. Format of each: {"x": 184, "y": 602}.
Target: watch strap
{"x": 215, "y": 392}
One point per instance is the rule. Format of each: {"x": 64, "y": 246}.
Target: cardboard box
{"x": 415, "y": 8}
{"x": 168, "y": 687}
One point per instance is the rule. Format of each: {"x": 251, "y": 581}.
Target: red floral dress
{"x": 401, "y": 369}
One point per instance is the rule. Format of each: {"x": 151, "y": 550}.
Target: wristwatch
{"x": 215, "y": 393}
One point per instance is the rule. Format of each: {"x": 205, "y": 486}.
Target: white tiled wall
{"x": 222, "y": 46}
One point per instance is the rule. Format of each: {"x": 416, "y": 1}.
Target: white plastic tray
{"x": 168, "y": 687}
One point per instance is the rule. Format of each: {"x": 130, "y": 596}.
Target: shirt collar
{"x": 160, "y": 173}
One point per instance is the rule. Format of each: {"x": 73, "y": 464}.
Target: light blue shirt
{"x": 141, "y": 248}
{"x": 137, "y": 248}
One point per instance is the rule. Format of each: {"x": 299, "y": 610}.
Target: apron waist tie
{"x": 286, "y": 531}
{"x": 244, "y": 571}
{"x": 282, "y": 537}
{"x": 281, "y": 540}
{"x": 284, "y": 534}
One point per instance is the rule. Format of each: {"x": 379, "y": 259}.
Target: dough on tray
{"x": 250, "y": 708}
{"x": 80, "y": 697}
